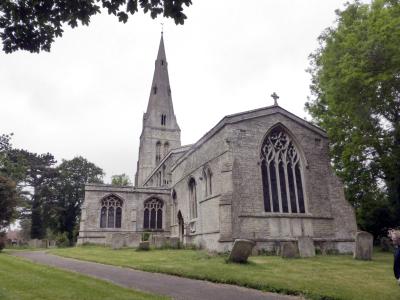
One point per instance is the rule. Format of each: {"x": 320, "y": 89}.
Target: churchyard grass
{"x": 21, "y": 279}
{"x": 320, "y": 277}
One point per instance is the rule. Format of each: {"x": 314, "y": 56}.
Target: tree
{"x": 33, "y": 25}
{"x": 8, "y": 202}
{"x": 70, "y": 192}
{"x": 356, "y": 98}
{"x": 120, "y": 180}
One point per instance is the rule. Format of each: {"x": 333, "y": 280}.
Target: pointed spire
{"x": 161, "y": 49}
{"x": 160, "y": 100}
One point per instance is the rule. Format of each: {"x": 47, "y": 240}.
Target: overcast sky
{"x": 87, "y": 96}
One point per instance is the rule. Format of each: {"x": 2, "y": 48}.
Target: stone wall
{"x": 132, "y": 211}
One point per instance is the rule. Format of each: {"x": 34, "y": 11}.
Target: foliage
{"x": 62, "y": 240}
{"x": 69, "y": 192}
{"x": 23, "y": 280}
{"x": 8, "y": 202}
{"x": 146, "y": 236}
{"x": 120, "y": 180}
{"x": 2, "y": 240}
{"x": 320, "y": 277}
{"x": 356, "y": 99}
{"x": 33, "y": 25}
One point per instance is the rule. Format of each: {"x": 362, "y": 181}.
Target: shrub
{"x": 145, "y": 236}
{"x": 62, "y": 240}
{"x": 2, "y": 240}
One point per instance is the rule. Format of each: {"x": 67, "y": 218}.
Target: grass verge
{"x": 320, "y": 277}
{"x": 20, "y": 279}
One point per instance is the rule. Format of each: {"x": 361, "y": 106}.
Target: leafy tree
{"x": 120, "y": 180}
{"x": 356, "y": 98}
{"x": 70, "y": 192}
{"x": 8, "y": 202}
{"x": 33, "y": 25}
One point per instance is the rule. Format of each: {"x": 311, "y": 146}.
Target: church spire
{"x": 160, "y": 132}
{"x": 160, "y": 110}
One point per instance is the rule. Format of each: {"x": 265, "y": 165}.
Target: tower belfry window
{"x": 163, "y": 119}
{"x": 162, "y": 62}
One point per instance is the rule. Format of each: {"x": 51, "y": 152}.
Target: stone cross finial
{"x": 275, "y": 97}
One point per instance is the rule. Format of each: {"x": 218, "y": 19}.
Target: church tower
{"x": 160, "y": 131}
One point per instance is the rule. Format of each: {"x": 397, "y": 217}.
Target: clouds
{"x": 88, "y": 95}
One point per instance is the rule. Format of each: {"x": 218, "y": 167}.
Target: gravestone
{"x": 289, "y": 250}
{"x": 117, "y": 240}
{"x": 241, "y": 250}
{"x": 306, "y": 246}
{"x": 386, "y": 244}
{"x": 364, "y": 245}
{"x": 144, "y": 245}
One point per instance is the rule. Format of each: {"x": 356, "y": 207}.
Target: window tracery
{"x": 281, "y": 169}
{"x": 111, "y": 212}
{"x": 153, "y": 214}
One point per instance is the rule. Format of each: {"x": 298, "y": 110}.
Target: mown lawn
{"x": 20, "y": 280}
{"x": 321, "y": 277}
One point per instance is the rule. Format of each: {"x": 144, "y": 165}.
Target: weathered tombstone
{"x": 117, "y": 241}
{"x": 386, "y": 245}
{"x": 364, "y": 245}
{"x": 144, "y": 245}
{"x": 289, "y": 250}
{"x": 241, "y": 250}
{"x": 306, "y": 246}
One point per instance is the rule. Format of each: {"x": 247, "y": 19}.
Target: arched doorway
{"x": 181, "y": 226}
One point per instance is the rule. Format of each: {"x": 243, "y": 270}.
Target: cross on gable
{"x": 275, "y": 97}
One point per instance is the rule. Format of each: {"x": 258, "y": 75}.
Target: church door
{"x": 181, "y": 226}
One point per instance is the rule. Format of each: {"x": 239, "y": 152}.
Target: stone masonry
{"x": 216, "y": 190}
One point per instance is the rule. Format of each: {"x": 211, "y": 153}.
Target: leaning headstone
{"x": 306, "y": 246}
{"x": 241, "y": 250}
{"x": 364, "y": 245}
{"x": 117, "y": 241}
{"x": 289, "y": 250}
{"x": 144, "y": 245}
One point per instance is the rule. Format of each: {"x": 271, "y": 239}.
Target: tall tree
{"x": 356, "y": 98}
{"x": 33, "y": 25}
{"x": 8, "y": 202}
{"x": 70, "y": 191}
{"x": 120, "y": 180}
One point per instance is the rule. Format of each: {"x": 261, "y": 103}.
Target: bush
{"x": 62, "y": 240}
{"x": 2, "y": 240}
{"x": 145, "y": 236}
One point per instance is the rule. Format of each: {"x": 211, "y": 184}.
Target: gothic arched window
{"x": 281, "y": 169}
{"x": 153, "y": 214}
{"x": 111, "y": 212}
{"x": 207, "y": 175}
{"x": 192, "y": 198}
{"x": 158, "y": 152}
{"x": 166, "y": 148}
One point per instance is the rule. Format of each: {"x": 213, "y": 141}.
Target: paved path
{"x": 176, "y": 287}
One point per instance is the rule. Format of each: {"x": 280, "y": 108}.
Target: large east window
{"x": 111, "y": 212}
{"x": 281, "y": 168}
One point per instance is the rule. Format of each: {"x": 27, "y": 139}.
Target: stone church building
{"x": 263, "y": 175}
